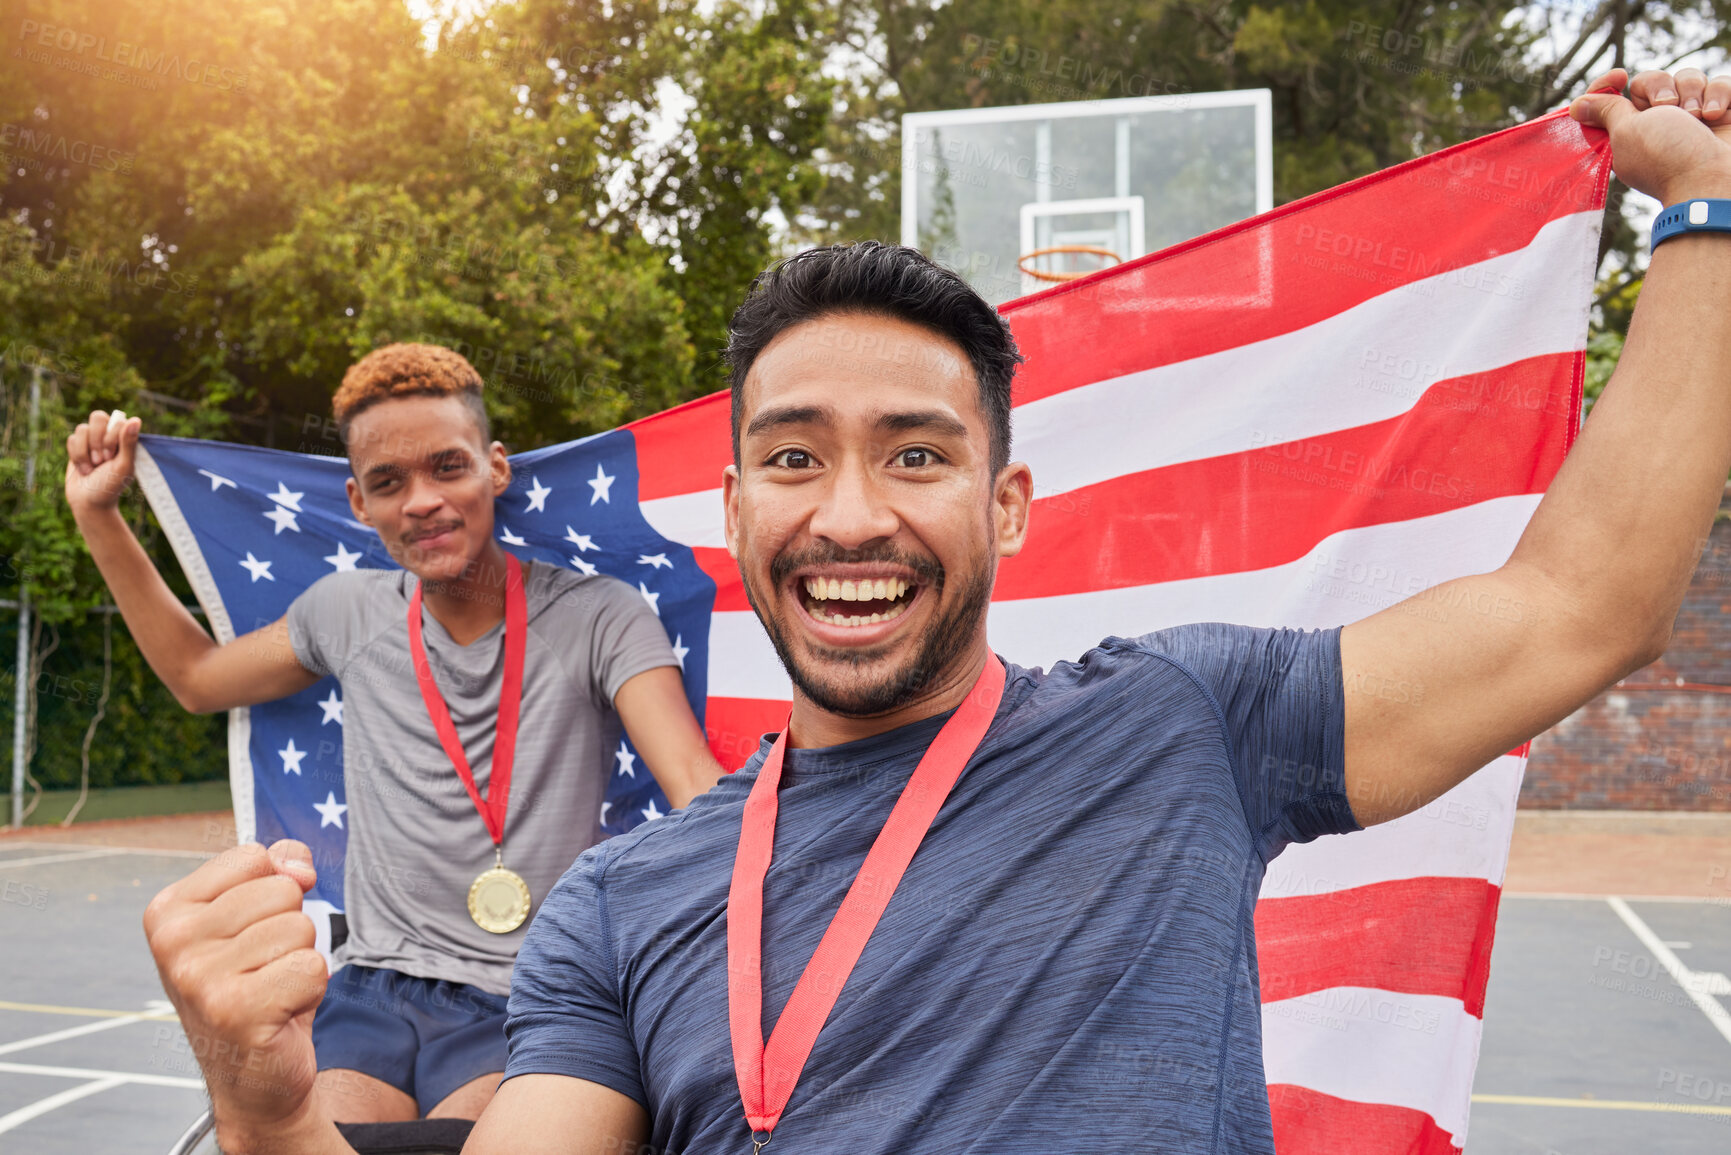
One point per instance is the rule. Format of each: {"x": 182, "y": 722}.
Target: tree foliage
{"x": 209, "y": 209}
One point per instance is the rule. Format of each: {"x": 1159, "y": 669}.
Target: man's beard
{"x": 945, "y": 641}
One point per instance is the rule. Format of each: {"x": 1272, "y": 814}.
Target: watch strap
{"x": 1698, "y": 215}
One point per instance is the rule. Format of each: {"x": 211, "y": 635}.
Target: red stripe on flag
{"x": 684, "y": 450}
{"x": 1308, "y": 1122}
{"x": 735, "y": 725}
{"x": 1265, "y": 507}
{"x": 729, "y": 587}
{"x": 1310, "y": 259}
{"x": 1415, "y": 936}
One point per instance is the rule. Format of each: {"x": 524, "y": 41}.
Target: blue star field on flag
{"x": 266, "y": 524}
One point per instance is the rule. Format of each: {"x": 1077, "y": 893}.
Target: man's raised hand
{"x": 99, "y": 460}
{"x": 236, "y": 957}
{"x": 1670, "y": 133}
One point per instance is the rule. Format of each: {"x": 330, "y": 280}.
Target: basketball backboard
{"x": 983, "y": 187}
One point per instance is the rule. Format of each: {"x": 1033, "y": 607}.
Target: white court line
{"x": 87, "y": 1073}
{"x": 70, "y": 1033}
{"x": 1695, "y": 986}
{"x": 43, "y": 1106}
{"x": 59, "y": 858}
{"x": 158, "y": 850}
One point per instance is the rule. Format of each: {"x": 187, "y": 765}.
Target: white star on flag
{"x": 538, "y": 496}
{"x": 510, "y": 538}
{"x": 582, "y": 541}
{"x": 258, "y": 569}
{"x": 605, "y": 807}
{"x": 284, "y": 519}
{"x": 333, "y": 708}
{"x": 583, "y": 567}
{"x": 652, "y": 599}
{"x": 654, "y": 559}
{"x": 650, "y": 813}
{"x": 217, "y": 480}
{"x": 291, "y": 758}
{"x": 627, "y": 761}
{"x": 282, "y": 496}
{"x": 330, "y": 811}
{"x": 680, "y": 649}
{"x": 343, "y": 559}
{"x": 600, "y": 483}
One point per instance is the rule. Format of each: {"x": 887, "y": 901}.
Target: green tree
{"x": 209, "y": 209}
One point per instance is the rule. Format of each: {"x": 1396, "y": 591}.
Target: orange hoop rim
{"x": 1060, "y": 278}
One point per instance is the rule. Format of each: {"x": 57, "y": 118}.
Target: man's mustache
{"x": 926, "y": 570}
{"x": 427, "y": 531}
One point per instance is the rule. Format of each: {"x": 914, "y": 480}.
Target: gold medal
{"x": 498, "y": 899}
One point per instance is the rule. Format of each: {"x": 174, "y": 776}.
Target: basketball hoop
{"x": 1061, "y": 277}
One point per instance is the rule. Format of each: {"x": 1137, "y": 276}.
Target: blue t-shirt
{"x": 1068, "y": 964}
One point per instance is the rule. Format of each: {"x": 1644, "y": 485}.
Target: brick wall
{"x": 1650, "y": 743}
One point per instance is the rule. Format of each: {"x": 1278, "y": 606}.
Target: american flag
{"x": 1294, "y": 421}
{"x": 1297, "y": 420}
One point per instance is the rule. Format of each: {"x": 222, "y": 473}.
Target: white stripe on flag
{"x": 693, "y": 519}
{"x": 1376, "y": 1046}
{"x": 1321, "y": 378}
{"x": 742, "y": 662}
{"x": 1349, "y": 575}
{"x": 1375, "y": 565}
{"x": 1463, "y": 834}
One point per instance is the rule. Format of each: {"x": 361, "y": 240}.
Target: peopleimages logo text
{"x": 134, "y": 56}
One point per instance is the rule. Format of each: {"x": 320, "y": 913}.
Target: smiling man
{"x": 977, "y": 907}
{"x": 482, "y": 700}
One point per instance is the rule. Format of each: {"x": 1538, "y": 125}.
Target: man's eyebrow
{"x": 385, "y": 469}
{"x": 930, "y": 420}
{"x": 777, "y": 417}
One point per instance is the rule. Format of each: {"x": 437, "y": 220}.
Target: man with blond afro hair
{"x": 412, "y": 1020}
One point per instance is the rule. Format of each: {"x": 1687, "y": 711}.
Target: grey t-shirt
{"x": 415, "y": 839}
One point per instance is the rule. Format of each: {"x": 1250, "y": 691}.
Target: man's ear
{"x": 356, "y": 504}
{"x": 730, "y": 508}
{"x": 500, "y": 467}
{"x": 1010, "y": 507}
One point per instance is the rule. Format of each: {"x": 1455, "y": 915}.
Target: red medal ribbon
{"x": 492, "y": 807}
{"x": 767, "y": 1074}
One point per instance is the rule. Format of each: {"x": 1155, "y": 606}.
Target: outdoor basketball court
{"x": 1582, "y": 1010}
{"x": 91, "y": 1057}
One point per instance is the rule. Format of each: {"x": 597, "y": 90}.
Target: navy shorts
{"x": 424, "y": 1037}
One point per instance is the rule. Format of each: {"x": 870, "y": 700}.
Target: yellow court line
{"x": 1603, "y": 1104}
{"x": 86, "y": 1012}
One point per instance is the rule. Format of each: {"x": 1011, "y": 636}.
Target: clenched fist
{"x": 99, "y": 461}
{"x": 1670, "y": 134}
{"x": 237, "y": 960}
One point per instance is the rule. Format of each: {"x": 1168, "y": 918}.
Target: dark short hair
{"x": 886, "y": 280}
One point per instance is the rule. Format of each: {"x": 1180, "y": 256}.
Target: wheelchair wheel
{"x": 198, "y": 1139}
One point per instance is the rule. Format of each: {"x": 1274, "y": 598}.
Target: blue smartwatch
{"x": 1702, "y": 215}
